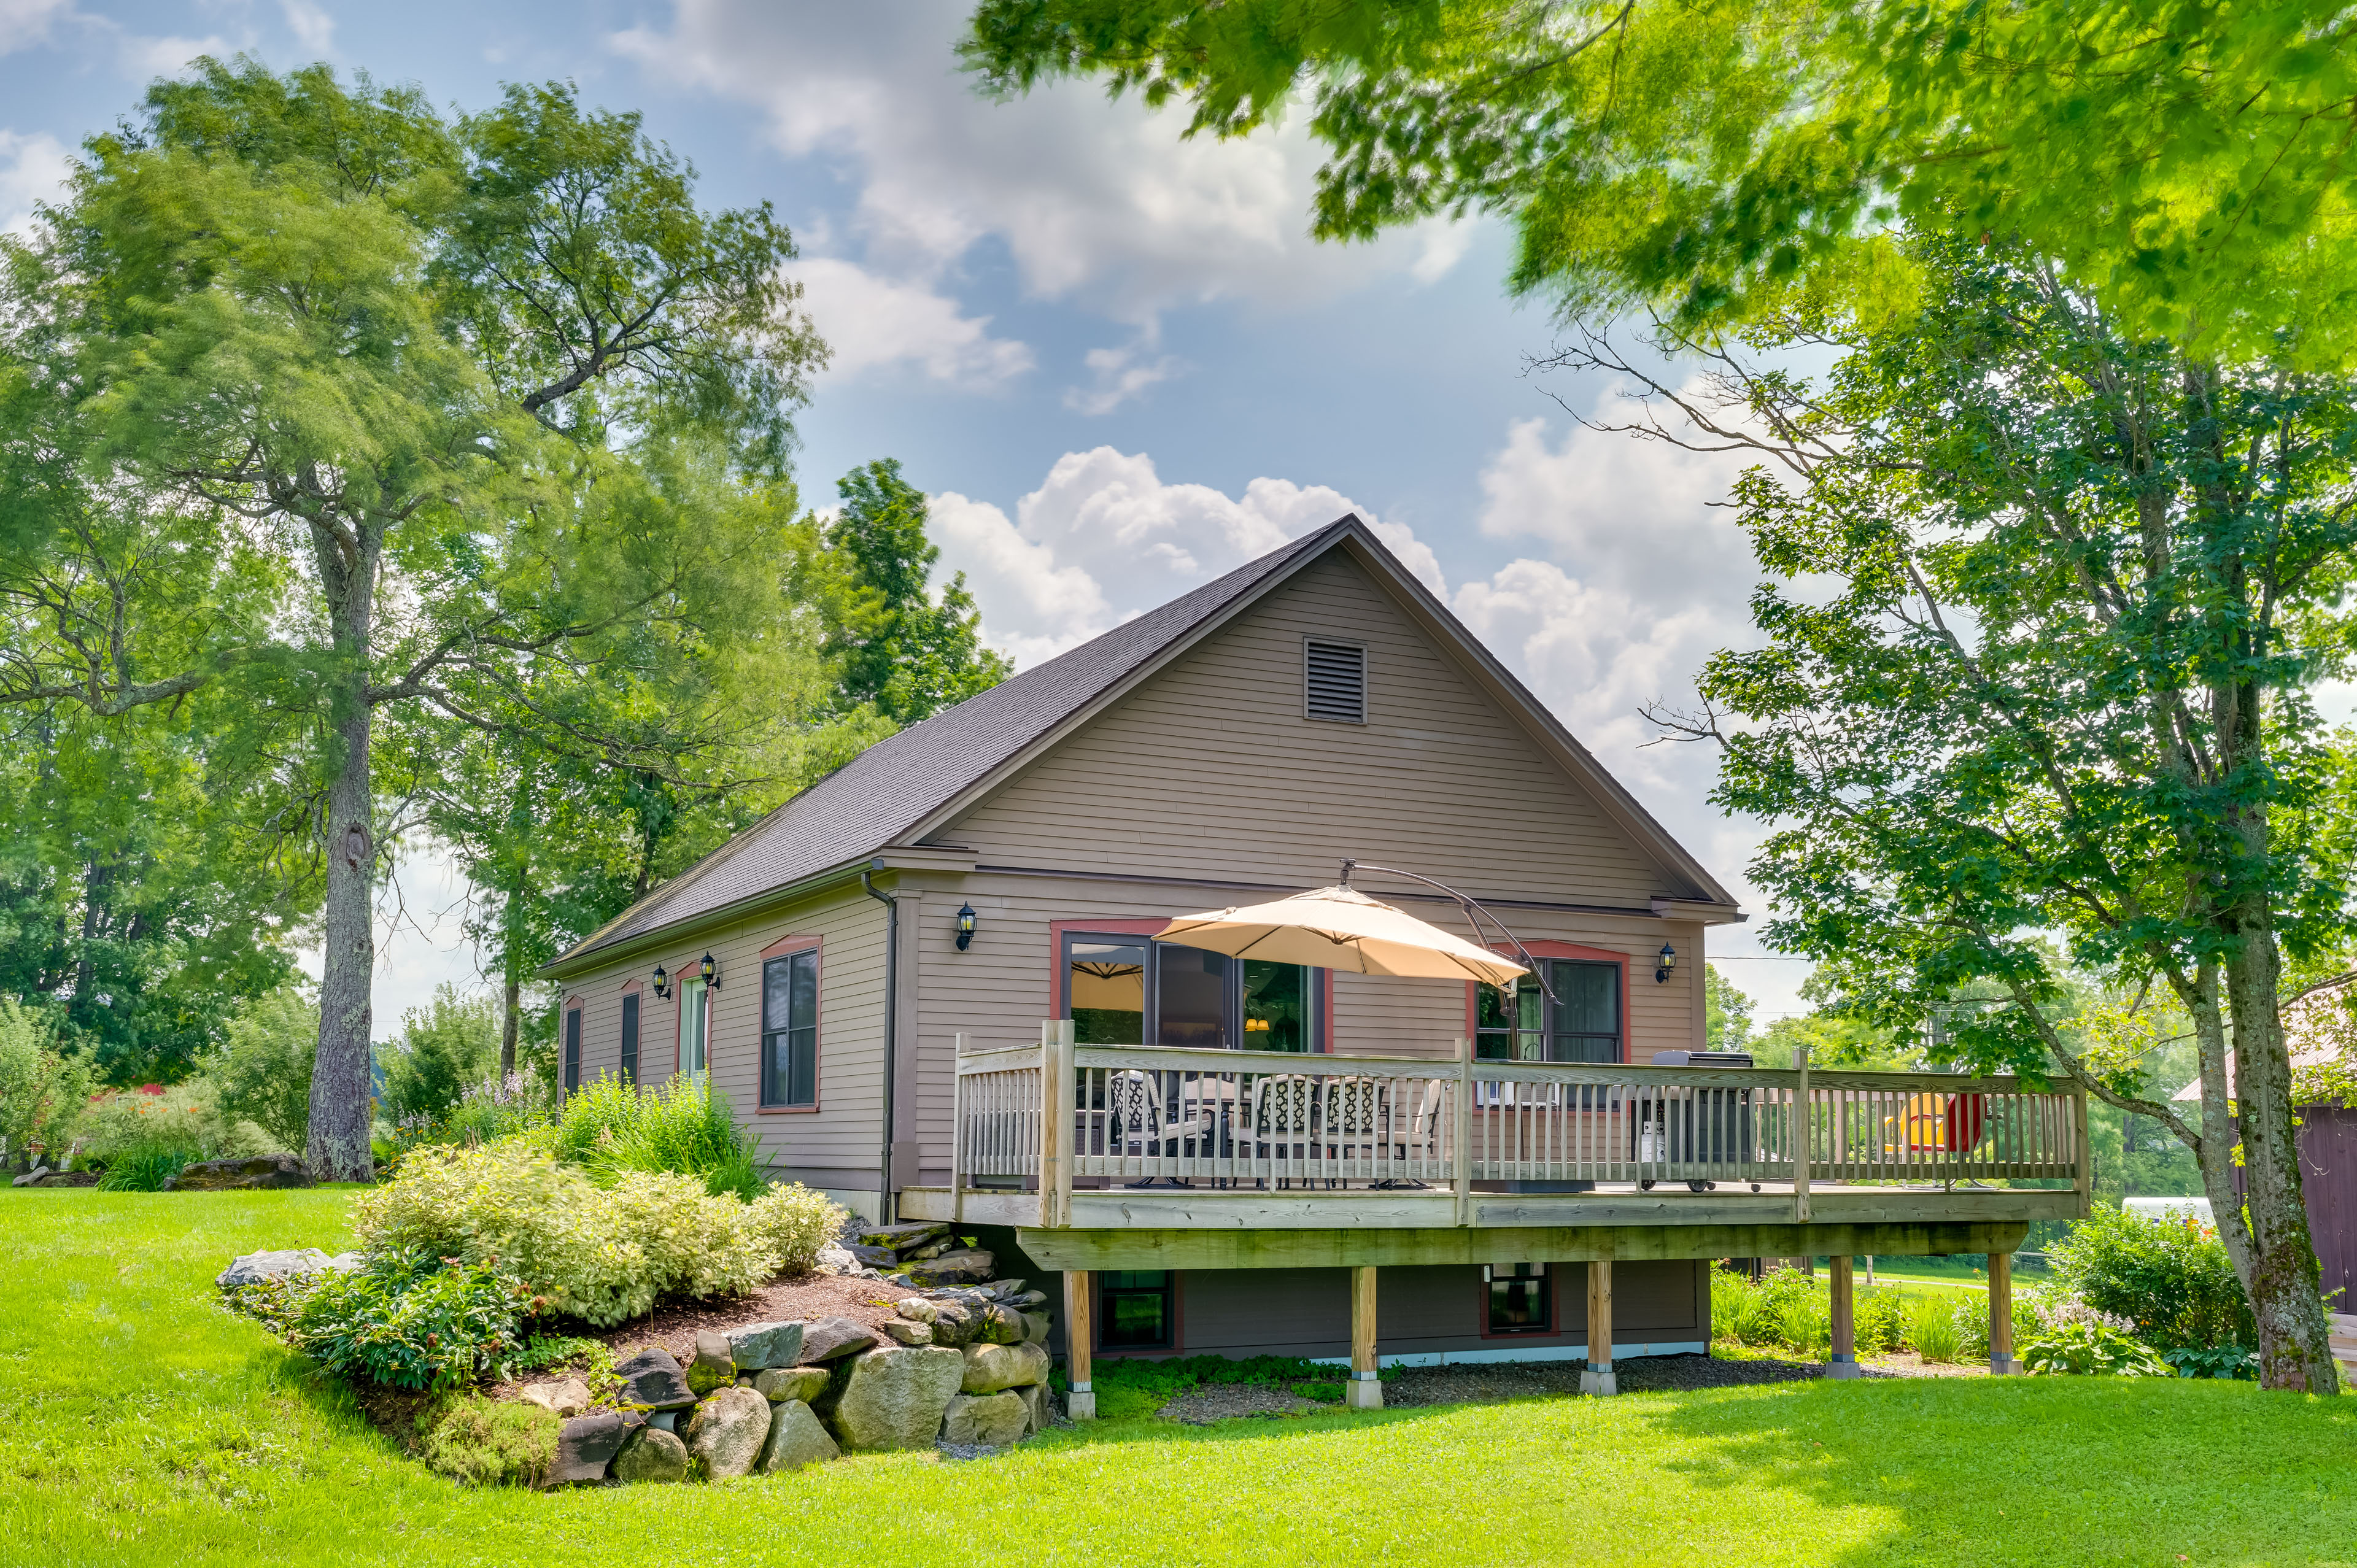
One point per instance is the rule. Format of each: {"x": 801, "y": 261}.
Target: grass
{"x": 141, "y": 1425}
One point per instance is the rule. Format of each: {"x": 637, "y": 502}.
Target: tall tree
{"x": 2186, "y": 161}
{"x": 897, "y": 648}
{"x": 2066, "y": 593}
{"x": 432, "y": 385}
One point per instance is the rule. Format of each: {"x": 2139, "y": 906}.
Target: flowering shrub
{"x": 500, "y": 1106}
{"x": 157, "y": 1130}
{"x": 441, "y": 1326}
{"x": 2168, "y": 1277}
{"x": 600, "y": 1254}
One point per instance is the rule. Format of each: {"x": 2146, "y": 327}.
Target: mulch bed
{"x": 673, "y": 1325}
{"x": 1220, "y": 1401}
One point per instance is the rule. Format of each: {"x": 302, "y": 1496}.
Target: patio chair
{"x": 1353, "y": 1109}
{"x": 1416, "y": 1136}
{"x": 1137, "y": 1126}
{"x": 1283, "y": 1118}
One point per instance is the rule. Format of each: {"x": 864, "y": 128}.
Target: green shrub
{"x": 445, "y": 1045}
{"x": 1326, "y": 1393}
{"x": 120, "y": 1126}
{"x": 264, "y": 1073}
{"x": 147, "y": 1167}
{"x": 43, "y": 1096}
{"x": 1971, "y": 1311}
{"x": 488, "y": 1443}
{"x": 1932, "y": 1329}
{"x": 1881, "y": 1321}
{"x": 411, "y": 1325}
{"x": 600, "y": 1254}
{"x": 685, "y": 1128}
{"x": 2089, "y": 1348}
{"x": 2168, "y": 1275}
{"x": 2233, "y": 1362}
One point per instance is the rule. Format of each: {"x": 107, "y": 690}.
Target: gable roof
{"x": 905, "y": 785}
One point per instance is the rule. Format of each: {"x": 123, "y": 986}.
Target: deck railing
{"x": 1054, "y": 1115}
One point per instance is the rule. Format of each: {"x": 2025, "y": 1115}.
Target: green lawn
{"x": 141, "y": 1425}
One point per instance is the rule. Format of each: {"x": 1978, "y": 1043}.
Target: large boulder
{"x": 1035, "y": 1406}
{"x": 727, "y": 1432}
{"x": 949, "y": 1269}
{"x": 758, "y": 1346}
{"x": 287, "y": 1263}
{"x": 1036, "y": 1326}
{"x": 565, "y": 1396}
{"x": 235, "y": 1175}
{"x": 797, "y": 1438}
{"x": 653, "y": 1454}
{"x": 1002, "y": 1326}
{"x": 995, "y": 1420}
{"x": 31, "y": 1177}
{"x": 990, "y": 1368}
{"x": 901, "y": 1238}
{"x": 832, "y": 1337}
{"x": 780, "y": 1384}
{"x": 895, "y": 1397}
{"x": 585, "y": 1445}
{"x": 954, "y": 1322}
{"x": 713, "y": 1366}
{"x": 653, "y": 1380}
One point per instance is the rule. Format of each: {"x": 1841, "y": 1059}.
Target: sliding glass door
{"x": 1130, "y": 990}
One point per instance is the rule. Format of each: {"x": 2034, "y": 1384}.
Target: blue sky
{"x": 1113, "y": 356}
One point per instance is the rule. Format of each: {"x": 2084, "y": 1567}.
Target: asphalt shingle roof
{"x": 884, "y": 792}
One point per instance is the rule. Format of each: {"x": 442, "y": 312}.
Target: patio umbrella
{"x": 1341, "y": 928}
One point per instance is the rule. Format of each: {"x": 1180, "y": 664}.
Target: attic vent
{"x": 1337, "y": 682}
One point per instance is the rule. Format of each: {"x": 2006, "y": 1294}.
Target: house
{"x": 931, "y": 984}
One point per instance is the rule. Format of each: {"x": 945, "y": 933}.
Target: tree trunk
{"x": 342, "y": 1103}
{"x": 512, "y": 996}
{"x": 2283, "y": 1280}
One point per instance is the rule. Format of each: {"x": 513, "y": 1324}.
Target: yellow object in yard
{"x": 1937, "y": 1123}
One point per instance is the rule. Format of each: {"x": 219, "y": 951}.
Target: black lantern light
{"x": 708, "y": 973}
{"x": 662, "y": 983}
{"x": 1667, "y": 961}
{"x": 964, "y": 926}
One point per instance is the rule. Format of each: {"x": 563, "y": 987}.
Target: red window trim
{"x": 1178, "y": 1344}
{"x": 1142, "y": 926}
{"x": 780, "y": 948}
{"x": 1544, "y": 948}
{"x": 1554, "y": 1329}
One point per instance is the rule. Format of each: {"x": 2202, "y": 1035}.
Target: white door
{"x": 693, "y": 1012}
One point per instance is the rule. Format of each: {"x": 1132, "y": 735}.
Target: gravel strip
{"x": 1222, "y": 1401}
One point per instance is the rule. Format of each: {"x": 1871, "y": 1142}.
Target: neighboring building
{"x": 1235, "y": 745}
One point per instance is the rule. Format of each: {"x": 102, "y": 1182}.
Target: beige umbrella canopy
{"x": 1341, "y": 928}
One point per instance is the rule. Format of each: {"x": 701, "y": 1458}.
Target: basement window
{"x": 1135, "y": 1311}
{"x": 1335, "y": 681}
{"x": 1518, "y": 1299}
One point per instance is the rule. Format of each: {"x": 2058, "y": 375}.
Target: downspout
{"x": 891, "y": 1033}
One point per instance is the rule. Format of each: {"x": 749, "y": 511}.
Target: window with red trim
{"x": 1582, "y": 1026}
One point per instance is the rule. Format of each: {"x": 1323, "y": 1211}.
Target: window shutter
{"x": 1337, "y": 680}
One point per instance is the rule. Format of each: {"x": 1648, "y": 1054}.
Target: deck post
{"x": 1461, "y": 1133}
{"x": 1081, "y": 1394}
{"x": 2085, "y": 1183}
{"x": 1056, "y": 1119}
{"x": 1598, "y": 1378}
{"x": 1845, "y": 1352}
{"x": 957, "y": 1131}
{"x": 1366, "y": 1389}
{"x": 1801, "y": 1131}
{"x": 2000, "y": 1272}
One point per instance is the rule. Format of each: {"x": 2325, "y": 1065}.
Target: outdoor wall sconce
{"x": 964, "y": 926}
{"x": 662, "y": 983}
{"x": 708, "y": 973}
{"x": 1668, "y": 962}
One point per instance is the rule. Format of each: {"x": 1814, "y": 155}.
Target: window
{"x": 1134, "y": 1310}
{"x": 572, "y": 1050}
{"x": 1129, "y": 991}
{"x": 789, "y": 1029}
{"x": 1335, "y": 682}
{"x": 1517, "y": 1298}
{"x": 1584, "y": 1024}
{"x": 692, "y": 1012}
{"x": 630, "y": 1039}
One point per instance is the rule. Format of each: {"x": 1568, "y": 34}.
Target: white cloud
{"x": 1104, "y": 538}
{"x": 1121, "y": 374}
{"x": 24, "y": 23}
{"x": 313, "y": 29}
{"x": 872, "y": 323}
{"x": 33, "y": 169}
{"x": 1101, "y": 201}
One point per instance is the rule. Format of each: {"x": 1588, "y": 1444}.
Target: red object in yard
{"x": 151, "y": 1088}
{"x": 1967, "y": 1114}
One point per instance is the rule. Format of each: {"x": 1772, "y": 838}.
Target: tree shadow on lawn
{"x": 2037, "y": 1469}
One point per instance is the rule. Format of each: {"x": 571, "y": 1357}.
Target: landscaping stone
{"x": 873, "y": 1257}
{"x": 65, "y": 1178}
{"x": 782, "y": 1383}
{"x": 990, "y": 1368}
{"x": 666, "y": 1420}
{"x": 895, "y": 1397}
{"x": 1035, "y": 1327}
{"x": 759, "y": 1346}
{"x": 234, "y": 1175}
{"x": 1002, "y": 1326}
{"x": 916, "y": 1309}
{"x": 653, "y": 1455}
{"x": 797, "y": 1438}
{"x": 929, "y": 1249}
{"x": 907, "y": 1332}
{"x": 950, "y": 1268}
{"x": 954, "y": 1323}
{"x": 996, "y": 1419}
{"x": 31, "y": 1177}
{"x": 727, "y": 1432}
{"x": 568, "y": 1396}
{"x": 833, "y": 1337}
{"x": 912, "y": 1233}
{"x": 653, "y": 1379}
{"x": 288, "y": 1262}
{"x": 1035, "y": 1406}
{"x": 585, "y": 1445}
{"x": 713, "y": 1368}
